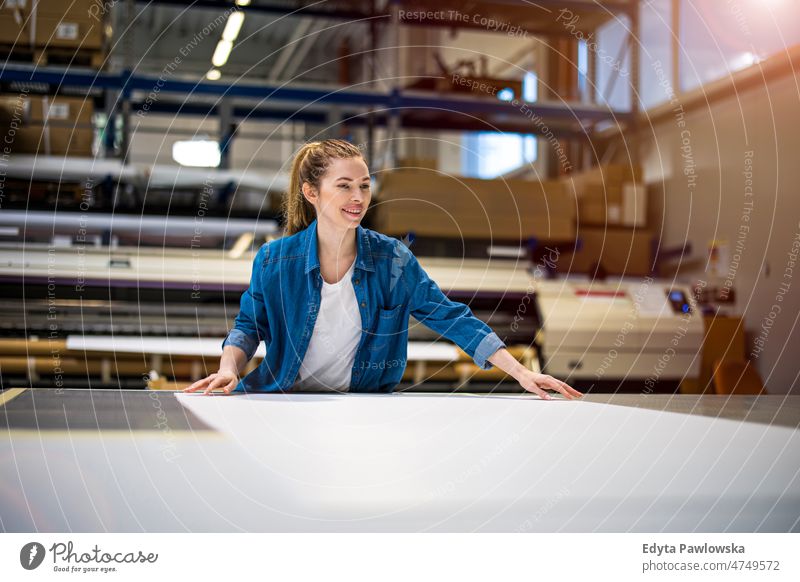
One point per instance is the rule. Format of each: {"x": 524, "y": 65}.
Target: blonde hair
{"x": 309, "y": 165}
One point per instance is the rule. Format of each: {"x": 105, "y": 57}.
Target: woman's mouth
{"x": 354, "y": 211}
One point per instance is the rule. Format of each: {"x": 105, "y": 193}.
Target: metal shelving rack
{"x": 122, "y": 94}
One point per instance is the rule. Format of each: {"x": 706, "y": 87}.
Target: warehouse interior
{"x": 610, "y": 145}
{"x": 611, "y": 185}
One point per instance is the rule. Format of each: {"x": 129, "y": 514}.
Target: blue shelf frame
{"x": 297, "y": 100}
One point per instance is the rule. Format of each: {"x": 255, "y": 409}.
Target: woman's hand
{"x": 530, "y": 380}
{"x": 224, "y": 380}
{"x": 538, "y": 383}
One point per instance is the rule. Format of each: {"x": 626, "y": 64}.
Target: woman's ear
{"x": 310, "y": 193}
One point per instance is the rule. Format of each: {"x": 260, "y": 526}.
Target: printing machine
{"x": 168, "y": 297}
{"x": 615, "y": 335}
{"x": 644, "y": 332}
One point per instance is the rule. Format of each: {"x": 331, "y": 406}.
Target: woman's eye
{"x": 344, "y": 185}
{"x": 365, "y": 186}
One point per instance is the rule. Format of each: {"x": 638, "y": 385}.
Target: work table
{"x": 140, "y": 460}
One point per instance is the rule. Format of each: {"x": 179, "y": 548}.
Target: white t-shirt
{"x": 328, "y": 362}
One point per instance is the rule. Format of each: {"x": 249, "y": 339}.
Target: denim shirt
{"x": 281, "y": 304}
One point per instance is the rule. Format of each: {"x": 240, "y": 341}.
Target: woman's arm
{"x": 451, "y": 319}
{"x": 233, "y": 360}
{"x": 250, "y": 325}
{"x": 455, "y": 321}
{"x": 241, "y": 343}
{"x": 530, "y": 380}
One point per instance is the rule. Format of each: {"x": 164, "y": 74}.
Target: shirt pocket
{"x": 388, "y": 328}
{"x": 390, "y": 312}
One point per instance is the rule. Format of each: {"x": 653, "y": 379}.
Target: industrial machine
{"x": 643, "y": 333}
{"x": 114, "y": 315}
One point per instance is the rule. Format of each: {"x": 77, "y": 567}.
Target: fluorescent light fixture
{"x": 196, "y": 153}
{"x": 241, "y": 245}
{"x": 243, "y": 2}
{"x": 505, "y": 94}
{"x": 213, "y": 75}
{"x": 221, "y": 53}
{"x": 233, "y": 26}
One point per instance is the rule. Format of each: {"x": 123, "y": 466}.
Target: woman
{"x": 331, "y": 299}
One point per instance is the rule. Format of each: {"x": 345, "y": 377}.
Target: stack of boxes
{"x": 612, "y": 221}
{"x": 609, "y": 195}
{"x": 429, "y": 203}
{"x": 602, "y": 210}
{"x": 45, "y": 27}
{"x": 46, "y": 125}
{"x": 44, "y": 32}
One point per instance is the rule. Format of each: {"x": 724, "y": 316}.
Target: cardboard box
{"x": 21, "y": 7}
{"x": 598, "y": 192}
{"x": 614, "y": 214}
{"x": 73, "y": 33}
{"x": 67, "y": 111}
{"x": 64, "y": 141}
{"x": 63, "y": 110}
{"x": 52, "y": 24}
{"x": 412, "y": 163}
{"x": 11, "y": 30}
{"x": 60, "y": 9}
{"x": 610, "y": 195}
{"x": 433, "y": 204}
{"x": 634, "y": 204}
{"x": 620, "y": 251}
{"x": 50, "y": 125}
{"x": 592, "y": 212}
{"x": 15, "y": 104}
{"x": 54, "y": 141}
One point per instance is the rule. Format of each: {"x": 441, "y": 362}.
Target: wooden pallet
{"x": 39, "y": 56}
{"x": 43, "y": 192}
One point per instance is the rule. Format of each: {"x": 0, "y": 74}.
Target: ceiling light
{"x": 243, "y": 2}
{"x": 221, "y": 53}
{"x": 213, "y": 75}
{"x": 196, "y": 153}
{"x": 241, "y": 245}
{"x": 233, "y": 26}
{"x": 505, "y": 94}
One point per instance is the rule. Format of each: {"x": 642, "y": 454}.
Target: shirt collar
{"x": 363, "y": 248}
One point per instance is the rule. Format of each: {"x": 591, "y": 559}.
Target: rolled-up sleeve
{"x": 250, "y": 325}
{"x": 454, "y": 320}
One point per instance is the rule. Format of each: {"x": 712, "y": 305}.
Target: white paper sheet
{"x": 403, "y": 462}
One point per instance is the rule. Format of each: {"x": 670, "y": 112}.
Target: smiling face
{"x": 343, "y": 195}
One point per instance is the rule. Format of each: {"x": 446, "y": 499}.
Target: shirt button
{"x": 363, "y": 304}
{"x": 356, "y": 281}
